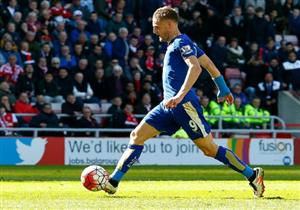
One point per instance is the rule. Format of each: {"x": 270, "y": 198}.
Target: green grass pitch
{"x": 148, "y": 187}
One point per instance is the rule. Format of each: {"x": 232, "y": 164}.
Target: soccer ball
{"x": 94, "y": 178}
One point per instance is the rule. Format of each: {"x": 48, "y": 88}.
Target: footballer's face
{"x": 161, "y": 29}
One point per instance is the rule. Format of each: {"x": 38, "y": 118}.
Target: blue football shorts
{"x": 188, "y": 115}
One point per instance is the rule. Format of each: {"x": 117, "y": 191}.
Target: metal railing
{"x": 98, "y": 131}
{"x": 272, "y": 118}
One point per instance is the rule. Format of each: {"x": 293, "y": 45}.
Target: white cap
{"x": 77, "y": 13}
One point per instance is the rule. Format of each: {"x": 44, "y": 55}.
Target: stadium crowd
{"x": 77, "y": 52}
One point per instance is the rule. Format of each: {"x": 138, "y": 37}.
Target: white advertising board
{"x": 271, "y": 151}
{"x": 157, "y": 151}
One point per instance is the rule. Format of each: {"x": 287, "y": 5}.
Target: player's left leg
{"x": 189, "y": 116}
{"x": 226, "y": 156}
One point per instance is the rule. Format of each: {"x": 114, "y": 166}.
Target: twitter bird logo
{"x": 31, "y": 155}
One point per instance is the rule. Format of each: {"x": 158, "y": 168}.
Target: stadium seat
{"x": 56, "y": 107}
{"x": 94, "y": 107}
{"x": 234, "y": 76}
{"x": 105, "y": 106}
{"x": 289, "y": 38}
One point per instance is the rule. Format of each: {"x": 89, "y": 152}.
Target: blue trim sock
{"x": 227, "y": 157}
{"x": 129, "y": 157}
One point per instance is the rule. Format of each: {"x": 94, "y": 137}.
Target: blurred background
{"x": 81, "y": 68}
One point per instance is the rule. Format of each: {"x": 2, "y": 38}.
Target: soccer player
{"x": 180, "y": 107}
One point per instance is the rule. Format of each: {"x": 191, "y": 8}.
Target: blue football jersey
{"x": 175, "y": 69}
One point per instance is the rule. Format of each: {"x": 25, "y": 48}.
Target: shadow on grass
{"x": 274, "y": 198}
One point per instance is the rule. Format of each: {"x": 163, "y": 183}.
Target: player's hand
{"x": 228, "y": 98}
{"x": 172, "y": 102}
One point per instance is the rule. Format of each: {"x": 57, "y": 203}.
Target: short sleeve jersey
{"x": 175, "y": 69}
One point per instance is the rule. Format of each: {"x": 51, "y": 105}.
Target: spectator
{"x": 96, "y": 25}
{"x": 108, "y": 72}
{"x": 149, "y": 62}
{"x": 130, "y": 22}
{"x": 73, "y": 108}
{"x": 116, "y": 86}
{"x": 254, "y": 110}
{"x": 238, "y": 24}
{"x": 4, "y": 101}
{"x": 31, "y": 23}
{"x": 76, "y": 6}
{"x": 83, "y": 91}
{"x": 121, "y": 47}
{"x": 145, "y": 105}
{"x": 99, "y": 85}
{"x": 5, "y": 90}
{"x": 199, "y": 27}
{"x": 62, "y": 40}
{"x": 96, "y": 54}
{"x": 137, "y": 81}
{"x": 294, "y": 22}
{"x": 49, "y": 89}
{"x": 257, "y": 29}
{"x": 235, "y": 55}
{"x": 46, "y": 119}
{"x": 83, "y": 67}
{"x": 108, "y": 44}
{"x": 210, "y": 108}
{"x": 41, "y": 69}
{"x": 134, "y": 66}
{"x": 130, "y": 96}
{"x": 226, "y": 29}
{"x": 23, "y": 106}
{"x": 66, "y": 59}
{"x": 64, "y": 82}
{"x": 34, "y": 45}
{"x": 26, "y": 55}
{"x": 238, "y": 93}
{"x": 235, "y": 109}
{"x": 55, "y": 64}
{"x": 130, "y": 119}
{"x": 254, "y": 65}
{"x": 219, "y": 53}
{"x": 292, "y": 71}
{"x": 270, "y": 52}
{"x": 80, "y": 28}
{"x": 59, "y": 10}
{"x": 148, "y": 41}
{"x": 268, "y": 91}
{"x": 10, "y": 10}
{"x": 79, "y": 52}
{"x": 87, "y": 121}
{"x": 115, "y": 24}
{"x": 47, "y": 53}
{"x": 13, "y": 32}
{"x": 149, "y": 88}
{"x": 116, "y": 111}
{"x": 133, "y": 46}
{"x": 7, "y": 120}
{"x": 11, "y": 70}
{"x": 275, "y": 69}
{"x": 39, "y": 103}
{"x": 94, "y": 41}
{"x": 26, "y": 82}
{"x": 137, "y": 32}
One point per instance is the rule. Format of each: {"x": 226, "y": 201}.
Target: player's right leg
{"x": 138, "y": 136}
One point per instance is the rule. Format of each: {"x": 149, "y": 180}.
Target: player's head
{"x": 164, "y": 22}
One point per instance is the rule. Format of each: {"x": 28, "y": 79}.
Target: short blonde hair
{"x": 166, "y": 13}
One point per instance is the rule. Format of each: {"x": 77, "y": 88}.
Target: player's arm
{"x": 193, "y": 73}
{"x": 224, "y": 92}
